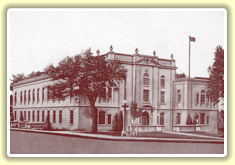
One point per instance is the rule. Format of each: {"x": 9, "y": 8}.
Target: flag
{"x": 192, "y": 39}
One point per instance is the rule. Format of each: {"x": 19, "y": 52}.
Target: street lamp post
{"x": 124, "y": 118}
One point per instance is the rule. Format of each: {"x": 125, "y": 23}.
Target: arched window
{"x": 43, "y": 93}
{"x": 146, "y": 79}
{"x": 38, "y": 95}
{"x": 33, "y": 96}
{"x": 203, "y": 93}
{"x": 21, "y": 97}
{"x": 24, "y": 96}
{"x": 145, "y": 118}
{"x": 102, "y": 117}
{"x": 15, "y": 98}
{"x": 162, "y": 81}
{"x": 29, "y": 97}
{"x": 178, "y": 96}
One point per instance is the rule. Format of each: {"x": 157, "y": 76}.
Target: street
{"x": 37, "y": 143}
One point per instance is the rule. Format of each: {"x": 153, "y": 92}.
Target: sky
{"x": 39, "y": 37}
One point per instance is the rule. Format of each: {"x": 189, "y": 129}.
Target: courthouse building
{"x": 167, "y": 103}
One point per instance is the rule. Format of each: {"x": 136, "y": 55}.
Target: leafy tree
{"x": 180, "y": 75}
{"x": 34, "y": 74}
{"x": 120, "y": 121}
{"x": 115, "y": 122}
{"x": 85, "y": 75}
{"x": 216, "y": 73}
{"x": 18, "y": 77}
{"x": 189, "y": 120}
{"x": 134, "y": 113}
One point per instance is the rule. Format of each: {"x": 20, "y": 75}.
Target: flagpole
{"x": 189, "y": 60}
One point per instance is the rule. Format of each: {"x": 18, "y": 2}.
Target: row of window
{"x": 146, "y": 96}
{"x": 146, "y": 88}
{"x": 45, "y": 115}
{"x": 24, "y": 99}
{"x": 202, "y": 119}
{"x": 145, "y": 118}
{"x": 102, "y": 117}
{"x": 146, "y": 80}
{"x": 204, "y": 98}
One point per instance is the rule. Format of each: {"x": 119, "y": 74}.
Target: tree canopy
{"x": 180, "y": 75}
{"x": 86, "y": 75}
{"x": 216, "y": 73}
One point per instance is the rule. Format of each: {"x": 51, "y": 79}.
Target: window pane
{"x": 60, "y": 117}
{"x": 161, "y": 118}
{"x": 37, "y": 115}
{"x": 178, "y": 118}
{"x": 162, "y": 97}
{"x": 54, "y": 116}
{"x": 146, "y": 96}
{"x": 202, "y": 118}
{"x": 101, "y": 117}
{"x": 197, "y": 99}
{"x": 28, "y": 115}
{"x": 202, "y": 97}
{"x": 71, "y": 117}
{"x": 109, "y": 118}
{"x": 162, "y": 81}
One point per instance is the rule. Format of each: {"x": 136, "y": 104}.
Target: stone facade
{"x": 150, "y": 83}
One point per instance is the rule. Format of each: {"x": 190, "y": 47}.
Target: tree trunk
{"x": 94, "y": 115}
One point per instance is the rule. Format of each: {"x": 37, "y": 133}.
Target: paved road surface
{"x": 37, "y": 143}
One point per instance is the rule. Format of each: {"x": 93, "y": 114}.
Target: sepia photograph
{"x": 117, "y": 82}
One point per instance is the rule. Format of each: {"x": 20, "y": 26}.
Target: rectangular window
{"x": 178, "y": 118}
{"x": 162, "y": 97}
{"x": 28, "y": 115}
{"x": 146, "y": 95}
{"x": 161, "y": 118}
{"x": 208, "y": 120}
{"x": 43, "y": 115}
{"x": 24, "y": 115}
{"x": 60, "y": 117}
{"x": 54, "y": 116}
{"x": 37, "y": 115}
{"x": 33, "y": 115}
{"x": 202, "y": 118}
{"x": 71, "y": 117}
{"x": 109, "y": 118}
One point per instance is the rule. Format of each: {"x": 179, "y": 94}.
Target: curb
{"x": 119, "y": 138}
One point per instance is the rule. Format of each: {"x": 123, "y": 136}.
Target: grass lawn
{"x": 155, "y": 135}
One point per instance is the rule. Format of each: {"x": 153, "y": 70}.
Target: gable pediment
{"x": 147, "y": 61}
